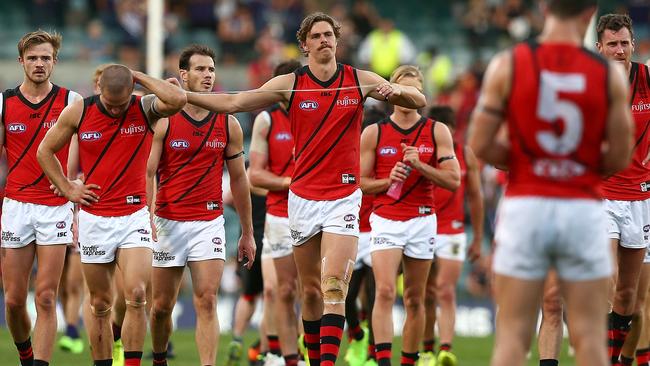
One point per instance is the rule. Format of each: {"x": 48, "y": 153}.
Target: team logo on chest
{"x": 179, "y": 144}
{"x": 215, "y": 144}
{"x": 283, "y": 136}
{"x": 16, "y": 127}
{"x": 641, "y": 107}
{"x": 347, "y": 102}
{"x": 90, "y": 136}
{"x": 424, "y": 149}
{"x": 387, "y": 151}
{"x": 133, "y": 129}
{"x": 308, "y": 105}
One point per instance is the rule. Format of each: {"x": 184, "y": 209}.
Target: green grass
{"x": 470, "y": 351}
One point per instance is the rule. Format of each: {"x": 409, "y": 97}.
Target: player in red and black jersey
{"x": 325, "y": 101}
{"x": 272, "y": 163}
{"x": 569, "y": 124}
{"x": 187, "y": 157}
{"x": 413, "y": 152}
{"x": 627, "y": 196}
{"x": 114, "y": 133}
{"x": 35, "y": 222}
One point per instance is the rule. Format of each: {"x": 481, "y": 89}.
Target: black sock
{"x": 132, "y": 355}
{"x": 160, "y": 359}
{"x": 117, "y": 332}
{"x": 549, "y": 362}
{"x": 104, "y": 362}
{"x": 383, "y": 353}
{"x": 291, "y": 360}
{"x": 25, "y": 352}
{"x": 41, "y": 363}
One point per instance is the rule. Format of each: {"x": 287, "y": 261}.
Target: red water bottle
{"x": 395, "y": 189}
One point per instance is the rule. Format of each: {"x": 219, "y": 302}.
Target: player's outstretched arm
{"x": 619, "y": 135}
{"x": 402, "y": 95}
{"x": 170, "y": 98}
{"x": 475, "y": 203}
{"x": 488, "y": 115}
{"x": 56, "y": 139}
{"x": 369, "y": 184}
{"x": 273, "y": 91}
{"x": 447, "y": 172}
{"x": 258, "y": 172}
{"x": 234, "y": 157}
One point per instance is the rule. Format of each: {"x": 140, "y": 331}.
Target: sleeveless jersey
{"x": 326, "y": 125}
{"x": 25, "y": 126}
{"x": 633, "y": 183}
{"x": 191, "y": 168}
{"x": 416, "y": 198}
{"x": 113, "y": 154}
{"x": 367, "y": 201}
{"x": 450, "y": 206}
{"x": 556, "y": 114}
{"x": 280, "y": 158}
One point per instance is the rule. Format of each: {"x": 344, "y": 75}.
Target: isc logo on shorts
{"x": 387, "y": 151}
{"x": 90, "y": 136}
{"x": 308, "y": 105}
{"x": 179, "y": 144}
{"x": 16, "y": 127}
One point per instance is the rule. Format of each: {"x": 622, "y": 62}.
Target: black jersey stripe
{"x": 128, "y": 163}
{"x": 196, "y": 153}
{"x": 35, "y": 182}
{"x": 33, "y": 139}
{"x": 322, "y": 122}
{"x": 108, "y": 144}
{"x": 320, "y": 160}
{"x": 198, "y": 181}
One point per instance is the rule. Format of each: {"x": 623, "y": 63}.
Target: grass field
{"x": 470, "y": 352}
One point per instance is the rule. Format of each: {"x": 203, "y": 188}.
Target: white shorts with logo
{"x": 629, "y": 222}
{"x": 307, "y": 218}
{"x": 535, "y": 234}
{"x": 277, "y": 236}
{"x": 180, "y": 242}
{"x": 363, "y": 251}
{"x": 101, "y": 236}
{"x": 23, "y": 223}
{"x": 415, "y": 237}
{"x": 451, "y": 246}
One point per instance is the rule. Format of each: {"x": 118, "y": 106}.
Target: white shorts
{"x": 307, "y": 218}
{"x": 277, "y": 236}
{"x": 180, "y": 242}
{"x": 451, "y": 246}
{"x": 415, "y": 237}
{"x": 363, "y": 251}
{"x": 23, "y": 223}
{"x": 101, "y": 236}
{"x": 535, "y": 234}
{"x": 629, "y": 222}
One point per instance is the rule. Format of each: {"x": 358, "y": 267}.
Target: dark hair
{"x": 191, "y": 50}
{"x": 308, "y": 23}
{"x": 371, "y": 116}
{"x": 39, "y": 37}
{"x": 613, "y": 22}
{"x": 569, "y": 8}
{"x": 444, "y": 114}
{"x": 116, "y": 79}
{"x": 287, "y": 67}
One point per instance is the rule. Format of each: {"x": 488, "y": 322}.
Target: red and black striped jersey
{"x": 25, "y": 125}
{"x": 280, "y": 158}
{"x": 190, "y": 170}
{"x": 450, "y": 205}
{"x": 113, "y": 154}
{"x": 416, "y": 198}
{"x": 326, "y": 125}
{"x": 557, "y": 114}
{"x": 633, "y": 183}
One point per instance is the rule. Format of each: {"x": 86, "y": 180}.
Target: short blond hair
{"x": 39, "y": 37}
{"x": 407, "y": 71}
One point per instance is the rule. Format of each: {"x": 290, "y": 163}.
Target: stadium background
{"x": 451, "y": 41}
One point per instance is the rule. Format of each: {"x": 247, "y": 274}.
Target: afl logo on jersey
{"x": 179, "y": 144}
{"x": 388, "y": 151}
{"x": 16, "y": 127}
{"x": 90, "y": 136}
{"x": 283, "y": 136}
{"x": 308, "y": 105}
